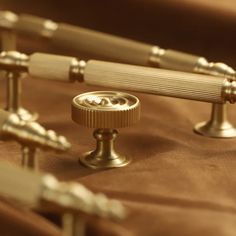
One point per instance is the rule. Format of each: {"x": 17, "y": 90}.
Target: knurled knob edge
{"x": 95, "y": 118}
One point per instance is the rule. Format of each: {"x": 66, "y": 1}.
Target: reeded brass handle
{"x": 103, "y": 45}
{"x": 106, "y": 46}
{"x": 85, "y": 40}
{"x": 33, "y": 25}
{"x": 135, "y": 78}
{"x": 155, "y": 81}
{"x": 45, "y": 191}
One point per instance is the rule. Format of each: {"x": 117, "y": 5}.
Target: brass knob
{"x": 105, "y": 111}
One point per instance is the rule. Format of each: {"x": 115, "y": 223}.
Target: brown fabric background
{"x": 179, "y": 183}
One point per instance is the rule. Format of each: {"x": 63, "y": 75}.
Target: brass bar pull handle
{"x": 105, "y": 46}
{"x": 36, "y": 26}
{"x": 40, "y": 190}
{"x": 102, "y": 45}
{"x": 181, "y": 61}
{"x": 79, "y": 39}
{"x": 155, "y": 81}
{"x": 135, "y": 78}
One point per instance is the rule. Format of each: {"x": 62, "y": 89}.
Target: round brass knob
{"x": 105, "y": 111}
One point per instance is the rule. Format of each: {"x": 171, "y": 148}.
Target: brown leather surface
{"x": 179, "y": 183}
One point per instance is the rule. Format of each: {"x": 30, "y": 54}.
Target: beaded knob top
{"x": 105, "y": 109}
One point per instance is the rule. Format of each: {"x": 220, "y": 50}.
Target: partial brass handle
{"x": 181, "y": 61}
{"x": 106, "y": 46}
{"x": 85, "y": 40}
{"x": 36, "y": 26}
{"x": 45, "y": 191}
{"x": 103, "y": 45}
{"x": 30, "y": 134}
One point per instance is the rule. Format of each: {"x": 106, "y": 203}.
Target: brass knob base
{"x": 218, "y": 126}
{"x": 104, "y": 156}
{"x": 94, "y": 161}
{"x": 209, "y": 129}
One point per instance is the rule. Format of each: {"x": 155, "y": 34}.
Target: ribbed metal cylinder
{"x": 155, "y": 81}
{"x": 105, "y": 109}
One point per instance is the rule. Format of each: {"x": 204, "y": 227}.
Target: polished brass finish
{"x": 216, "y": 69}
{"x": 104, "y": 111}
{"x": 155, "y": 55}
{"x": 135, "y": 78}
{"x": 14, "y": 97}
{"x": 199, "y": 87}
{"x": 218, "y": 126}
{"x": 44, "y": 191}
{"x": 167, "y": 83}
{"x": 104, "y": 156}
{"x": 8, "y": 20}
{"x": 15, "y": 64}
{"x": 31, "y": 136}
{"x": 124, "y": 50}
{"x": 74, "y": 197}
{"x": 155, "y": 81}
{"x": 173, "y": 60}
{"x": 12, "y": 62}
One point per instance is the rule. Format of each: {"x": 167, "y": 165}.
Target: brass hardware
{"x": 122, "y": 76}
{"x": 31, "y": 136}
{"x": 70, "y": 199}
{"x": 155, "y": 81}
{"x": 13, "y": 63}
{"x": 160, "y": 82}
{"x": 8, "y": 20}
{"x": 104, "y": 111}
{"x": 155, "y": 55}
{"x": 54, "y": 67}
{"x": 218, "y": 126}
{"x": 123, "y": 50}
{"x": 73, "y": 225}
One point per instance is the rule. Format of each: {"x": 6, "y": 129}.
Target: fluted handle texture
{"x": 155, "y": 81}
